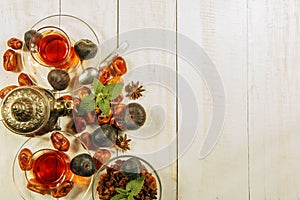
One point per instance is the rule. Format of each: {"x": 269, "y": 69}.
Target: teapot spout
{"x": 63, "y": 107}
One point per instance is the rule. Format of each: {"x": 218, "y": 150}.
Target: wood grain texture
{"x": 220, "y": 28}
{"x": 255, "y": 47}
{"x": 100, "y": 15}
{"x": 16, "y": 18}
{"x": 138, "y": 15}
{"x": 274, "y": 99}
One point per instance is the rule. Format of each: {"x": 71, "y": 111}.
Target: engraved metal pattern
{"x": 25, "y": 110}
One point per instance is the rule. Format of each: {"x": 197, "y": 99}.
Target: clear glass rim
{"x": 68, "y": 16}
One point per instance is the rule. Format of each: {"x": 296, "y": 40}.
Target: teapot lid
{"x": 25, "y": 110}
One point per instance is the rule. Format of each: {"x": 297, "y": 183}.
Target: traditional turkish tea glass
{"x": 50, "y": 168}
{"x": 41, "y": 168}
{"x": 67, "y": 30}
{"x": 50, "y": 46}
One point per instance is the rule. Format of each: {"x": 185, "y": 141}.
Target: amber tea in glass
{"x": 53, "y": 49}
{"x": 50, "y": 167}
{"x": 50, "y": 46}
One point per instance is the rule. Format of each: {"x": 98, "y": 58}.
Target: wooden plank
{"x": 220, "y": 28}
{"x": 16, "y": 18}
{"x": 274, "y": 99}
{"x": 100, "y": 15}
{"x": 150, "y": 66}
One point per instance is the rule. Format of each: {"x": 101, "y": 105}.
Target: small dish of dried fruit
{"x": 56, "y": 165}
{"x": 126, "y": 178}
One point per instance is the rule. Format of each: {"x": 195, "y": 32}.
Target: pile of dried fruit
{"x": 103, "y": 105}
{"x": 12, "y": 62}
{"x": 127, "y": 180}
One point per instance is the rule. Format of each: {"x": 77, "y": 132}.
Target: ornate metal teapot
{"x": 31, "y": 111}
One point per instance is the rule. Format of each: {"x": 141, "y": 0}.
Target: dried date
{"x": 24, "y": 159}
{"x": 15, "y": 43}
{"x": 118, "y": 111}
{"x": 86, "y": 139}
{"x": 117, "y": 100}
{"x": 80, "y": 124}
{"x": 119, "y": 65}
{"x": 62, "y": 190}
{"x": 76, "y": 103}
{"x": 101, "y": 156}
{"x": 59, "y": 141}
{"x": 104, "y": 75}
{"x": 4, "y": 91}
{"x": 24, "y": 80}
{"x": 90, "y": 118}
{"x": 35, "y": 186}
{"x": 12, "y": 61}
{"x": 103, "y": 119}
{"x": 83, "y": 92}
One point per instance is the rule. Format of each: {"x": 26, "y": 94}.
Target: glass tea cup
{"x": 50, "y": 168}
{"x": 41, "y": 171}
{"x": 50, "y": 46}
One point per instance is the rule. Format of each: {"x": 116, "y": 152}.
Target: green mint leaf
{"x": 104, "y": 106}
{"x": 119, "y": 197}
{"x": 87, "y": 104}
{"x": 121, "y": 191}
{"x": 113, "y": 90}
{"x": 99, "y": 100}
{"x": 98, "y": 86}
{"x": 130, "y": 197}
{"x": 135, "y": 186}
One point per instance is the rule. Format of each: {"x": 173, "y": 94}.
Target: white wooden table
{"x": 255, "y": 47}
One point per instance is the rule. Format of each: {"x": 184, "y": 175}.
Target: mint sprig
{"x": 101, "y": 97}
{"x": 133, "y": 188}
{"x": 87, "y": 104}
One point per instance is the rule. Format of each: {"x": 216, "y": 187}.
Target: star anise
{"x": 122, "y": 143}
{"x": 134, "y": 91}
